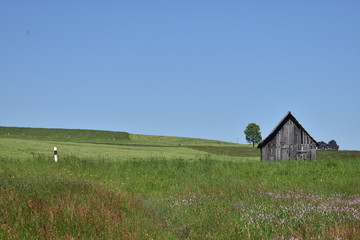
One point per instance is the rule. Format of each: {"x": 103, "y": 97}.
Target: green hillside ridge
{"x": 170, "y": 140}
{"x": 64, "y": 135}
{"x": 132, "y": 145}
{"x": 100, "y": 136}
{"x": 32, "y": 143}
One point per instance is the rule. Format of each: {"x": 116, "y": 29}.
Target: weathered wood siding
{"x": 290, "y": 142}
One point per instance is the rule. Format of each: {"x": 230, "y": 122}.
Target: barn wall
{"x": 290, "y": 142}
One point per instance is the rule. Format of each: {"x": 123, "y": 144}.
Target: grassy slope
{"x": 29, "y": 143}
{"x": 33, "y": 149}
{"x": 235, "y": 151}
{"x": 64, "y": 135}
{"x": 97, "y": 136}
{"x": 166, "y": 140}
{"x": 92, "y": 194}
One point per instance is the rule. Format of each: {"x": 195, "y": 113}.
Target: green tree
{"x": 253, "y": 134}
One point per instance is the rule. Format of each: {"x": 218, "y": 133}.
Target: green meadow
{"x": 113, "y": 185}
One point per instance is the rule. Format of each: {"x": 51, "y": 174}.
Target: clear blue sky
{"x": 182, "y": 68}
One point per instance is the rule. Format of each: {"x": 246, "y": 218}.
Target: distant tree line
{"x": 332, "y": 145}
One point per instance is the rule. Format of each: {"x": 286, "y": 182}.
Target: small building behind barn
{"x": 289, "y": 140}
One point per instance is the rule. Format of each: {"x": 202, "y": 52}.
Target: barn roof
{"x": 279, "y": 126}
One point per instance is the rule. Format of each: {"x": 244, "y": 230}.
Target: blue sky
{"x": 182, "y": 68}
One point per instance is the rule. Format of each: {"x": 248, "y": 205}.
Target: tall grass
{"x": 158, "y": 189}
{"x": 39, "y": 200}
{"x": 155, "y": 198}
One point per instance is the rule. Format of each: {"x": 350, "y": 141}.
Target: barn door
{"x": 285, "y": 152}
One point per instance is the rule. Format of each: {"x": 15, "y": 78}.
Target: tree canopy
{"x": 253, "y": 134}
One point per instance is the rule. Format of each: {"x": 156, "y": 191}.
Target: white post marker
{"x": 55, "y": 154}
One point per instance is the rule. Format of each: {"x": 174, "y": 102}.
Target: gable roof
{"x": 279, "y": 126}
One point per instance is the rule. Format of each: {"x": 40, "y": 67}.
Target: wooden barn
{"x": 288, "y": 140}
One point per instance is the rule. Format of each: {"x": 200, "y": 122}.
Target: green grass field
{"x": 154, "y": 187}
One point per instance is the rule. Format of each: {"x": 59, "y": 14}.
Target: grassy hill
{"x": 25, "y": 142}
{"x": 99, "y": 136}
{"x": 110, "y": 185}
{"x": 64, "y": 135}
{"x": 31, "y": 143}
{"x": 168, "y": 140}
